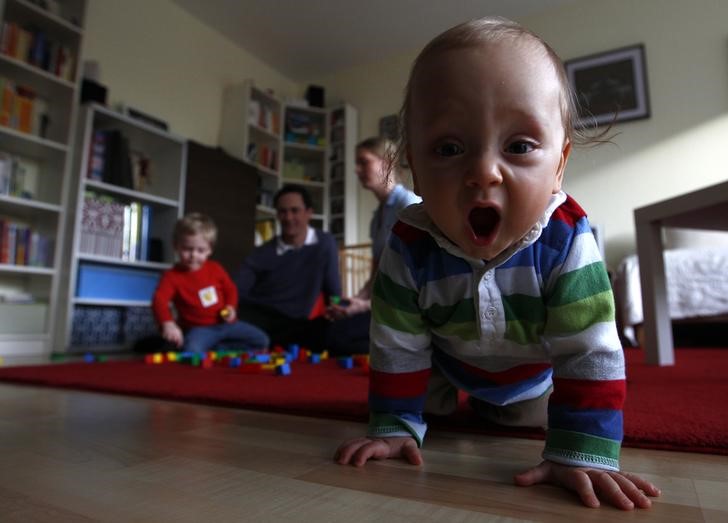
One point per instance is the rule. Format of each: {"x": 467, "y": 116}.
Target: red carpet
{"x": 684, "y": 407}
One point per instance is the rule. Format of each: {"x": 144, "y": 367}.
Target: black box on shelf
{"x": 315, "y": 96}
{"x": 92, "y": 91}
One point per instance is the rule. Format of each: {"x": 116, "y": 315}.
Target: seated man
{"x": 281, "y": 280}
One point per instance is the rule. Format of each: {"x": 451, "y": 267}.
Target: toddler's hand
{"x": 358, "y": 451}
{"x": 172, "y": 333}
{"x": 623, "y": 490}
{"x": 228, "y": 314}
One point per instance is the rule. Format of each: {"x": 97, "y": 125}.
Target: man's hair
{"x": 295, "y": 189}
{"x": 195, "y": 223}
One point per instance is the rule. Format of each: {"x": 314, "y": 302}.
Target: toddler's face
{"x": 192, "y": 251}
{"x": 487, "y": 143}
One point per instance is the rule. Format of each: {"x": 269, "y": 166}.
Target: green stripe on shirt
{"x": 580, "y": 315}
{"x": 576, "y": 285}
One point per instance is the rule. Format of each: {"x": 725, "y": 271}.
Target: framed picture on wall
{"x": 610, "y": 86}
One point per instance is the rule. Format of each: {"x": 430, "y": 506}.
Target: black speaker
{"x": 92, "y": 91}
{"x": 315, "y": 96}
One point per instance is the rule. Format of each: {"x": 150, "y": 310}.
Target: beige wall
{"x": 676, "y": 150}
{"x": 155, "y": 57}
{"x": 170, "y": 65}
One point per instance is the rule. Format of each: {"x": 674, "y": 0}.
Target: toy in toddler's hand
{"x": 488, "y": 123}
{"x": 228, "y": 314}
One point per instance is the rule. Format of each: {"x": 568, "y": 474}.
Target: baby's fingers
{"x": 346, "y": 451}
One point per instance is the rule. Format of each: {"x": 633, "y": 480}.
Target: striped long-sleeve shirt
{"x": 504, "y": 331}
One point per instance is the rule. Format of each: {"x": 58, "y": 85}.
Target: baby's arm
{"x": 358, "y": 451}
{"x": 172, "y": 333}
{"x": 623, "y": 490}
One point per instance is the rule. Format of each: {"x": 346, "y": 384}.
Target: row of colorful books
{"x": 115, "y": 229}
{"x": 263, "y": 155}
{"x": 18, "y": 176}
{"x": 22, "y": 109}
{"x": 265, "y": 117}
{"x": 111, "y": 160}
{"x": 21, "y": 244}
{"x": 33, "y": 46}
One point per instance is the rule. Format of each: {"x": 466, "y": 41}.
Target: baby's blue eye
{"x": 519, "y": 147}
{"x": 448, "y": 149}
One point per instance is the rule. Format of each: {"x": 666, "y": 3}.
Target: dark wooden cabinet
{"x": 224, "y": 188}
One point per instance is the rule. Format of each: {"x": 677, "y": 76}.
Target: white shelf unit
{"x": 301, "y": 137}
{"x": 305, "y": 156}
{"x": 109, "y": 280}
{"x": 32, "y": 40}
{"x": 343, "y": 182}
{"x": 250, "y": 130}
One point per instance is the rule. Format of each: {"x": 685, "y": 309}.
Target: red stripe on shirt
{"x": 583, "y": 394}
{"x": 507, "y": 377}
{"x": 407, "y": 233}
{"x": 569, "y": 212}
{"x": 398, "y": 385}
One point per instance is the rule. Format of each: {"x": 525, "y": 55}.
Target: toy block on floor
{"x": 345, "y": 362}
{"x": 283, "y": 370}
{"x": 314, "y": 358}
{"x": 293, "y": 350}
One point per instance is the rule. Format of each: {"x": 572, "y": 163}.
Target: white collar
{"x": 311, "y": 239}
{"x": 416, "y": 216}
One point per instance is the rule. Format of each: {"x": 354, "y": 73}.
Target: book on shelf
{"x": 21, "y": 244}
{"x": 18, "y": 176}
{"x": 115, "y": 229}
{"x": 22, "y": 109}
{"x": 111, "y": 160}
{"x": 33, "y": 46}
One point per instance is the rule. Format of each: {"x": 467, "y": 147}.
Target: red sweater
{"x": 198, "y": 296}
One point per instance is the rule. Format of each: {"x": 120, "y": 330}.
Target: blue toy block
{"x": 234, "y": 363}
{"x": 283, "y": 370}
{"x": 293, "y": 349}
{"x": 346, "y": 362}
{"x": 89, "y": 358}
{"x": 314, "y": 358}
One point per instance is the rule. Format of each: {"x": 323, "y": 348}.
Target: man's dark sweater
{"x": 291, "y": 282}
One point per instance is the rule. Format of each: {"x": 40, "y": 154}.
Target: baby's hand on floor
{"x": 358, "y": 451}
{"x": 623, "y": 490}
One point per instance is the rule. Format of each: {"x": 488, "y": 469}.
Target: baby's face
{"x": 487, "y": 143}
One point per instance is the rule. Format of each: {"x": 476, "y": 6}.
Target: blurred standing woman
{"x": 379, "y": 174}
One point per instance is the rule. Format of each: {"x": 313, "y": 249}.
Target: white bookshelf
{"x": 343, "y": 182}
{"x": 95, "y": 273}
{"x": 250, "y": 130}
{"x": 300, "y": 137}
{"x": 29, "y": 283}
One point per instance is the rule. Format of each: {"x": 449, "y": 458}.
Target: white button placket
{"x": 488, "y": 306}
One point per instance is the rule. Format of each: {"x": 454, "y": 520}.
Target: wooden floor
{"x": 69, "y": 456}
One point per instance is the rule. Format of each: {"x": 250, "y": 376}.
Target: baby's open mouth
{"x": 484, "y": 223}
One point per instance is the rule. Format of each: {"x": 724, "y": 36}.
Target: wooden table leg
{"x": 659, "y": 347}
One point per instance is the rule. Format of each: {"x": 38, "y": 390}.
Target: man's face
{"x": 293, "y": 217}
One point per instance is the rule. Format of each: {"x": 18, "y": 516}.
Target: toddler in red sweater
{"x": 203, "y": 295}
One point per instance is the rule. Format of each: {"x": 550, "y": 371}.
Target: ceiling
{"x": 303, "y": 39}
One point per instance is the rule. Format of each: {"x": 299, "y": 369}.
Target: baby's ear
{"x": 559, "y": 178}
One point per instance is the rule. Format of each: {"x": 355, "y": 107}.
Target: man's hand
{"x": 358, "y": 451}
{"x": 623, "y": 490}
{"x": 348, "y": 307}
{"x": 172, "y": 333}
